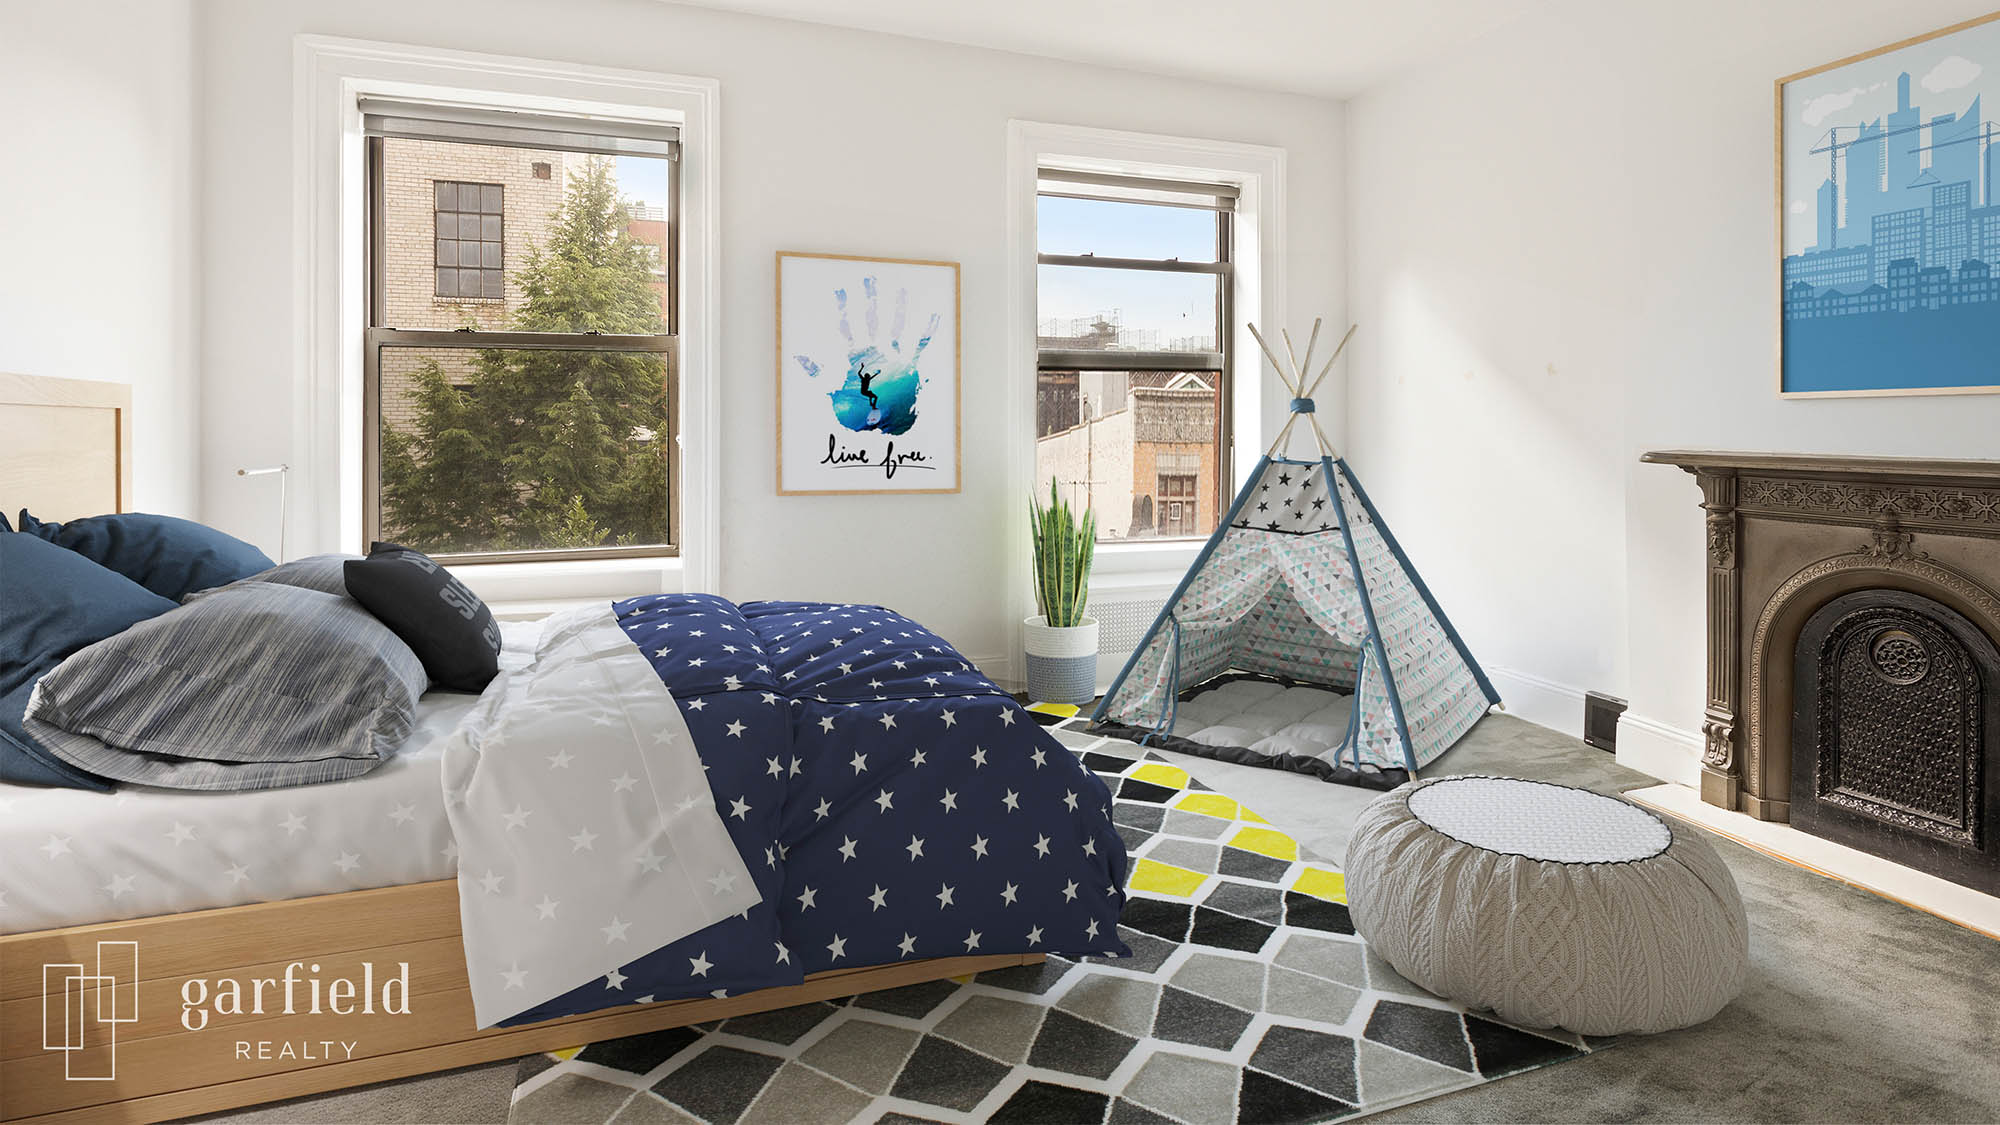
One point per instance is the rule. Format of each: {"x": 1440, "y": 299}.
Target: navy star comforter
{"x": 890, "y": 802}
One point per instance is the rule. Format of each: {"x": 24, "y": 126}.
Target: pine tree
{"x": 545, "y": 449}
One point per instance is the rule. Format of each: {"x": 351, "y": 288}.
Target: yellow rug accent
{"x": 1209, "y": 804}
{"x": 1266, "y": 841}
{"x": 1159, "y": 773}
{"x": 1059, "y": 710}
{"x": 1253, "y": 817}
{"x": 1158, "y": 878}
{"x": 568, "y": 1053}
{"x": 1321, "y": 882}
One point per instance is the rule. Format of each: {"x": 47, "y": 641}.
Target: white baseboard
{"x": 1546, "y": 703}
{"x": 1650, "y": 746}
{"x": 999, "y": 669}
{"x": 1659, "y": 749}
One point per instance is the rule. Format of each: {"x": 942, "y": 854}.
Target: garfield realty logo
{"x": 82, "y": 1007}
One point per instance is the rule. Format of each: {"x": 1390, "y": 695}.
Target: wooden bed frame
{"x": 69, "y": 455}
{"x": 162, "y": 1070}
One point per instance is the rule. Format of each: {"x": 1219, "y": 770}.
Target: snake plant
{"x": 1064, "y": 540}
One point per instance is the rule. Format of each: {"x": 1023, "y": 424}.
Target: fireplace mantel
{"x": 1788, "y": 532}
{"x": 1919, "y": 469}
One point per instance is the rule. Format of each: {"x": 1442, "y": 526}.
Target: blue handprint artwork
{"x": 880, "y": 391}
{"x": 868, "y": 378}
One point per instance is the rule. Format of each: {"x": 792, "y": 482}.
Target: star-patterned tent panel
{"x": 1276, "y": 592}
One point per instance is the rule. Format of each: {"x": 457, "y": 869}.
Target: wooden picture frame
{"x": 850, "y": 320}
{"x": 1835, "y": 352}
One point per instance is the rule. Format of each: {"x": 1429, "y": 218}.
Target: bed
{"x": 146, "y": 1058}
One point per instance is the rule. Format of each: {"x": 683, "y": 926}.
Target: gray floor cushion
{"x": 1549, "y": 905}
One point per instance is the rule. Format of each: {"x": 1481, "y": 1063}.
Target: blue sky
{"x": 642, "y": 179}
{"x": 1172, "y": 304}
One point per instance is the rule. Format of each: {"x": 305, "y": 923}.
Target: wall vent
{"x": 1123, "y": 617}
{"x": 1123, "y": 621}
{"x": 1600, "y": 719}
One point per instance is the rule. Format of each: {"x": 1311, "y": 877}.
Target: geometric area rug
{"x": 1248, "y": 997}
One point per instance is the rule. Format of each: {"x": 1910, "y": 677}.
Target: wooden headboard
{"x": 65, "y": 446}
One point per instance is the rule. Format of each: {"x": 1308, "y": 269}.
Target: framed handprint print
{"x": 868, "y": 375}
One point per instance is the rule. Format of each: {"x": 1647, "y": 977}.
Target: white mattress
{"x": 1266, "y": 717}
{"x": 69, "y": 857}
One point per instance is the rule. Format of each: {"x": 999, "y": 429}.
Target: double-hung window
{"x": 1134, "y": 284}
{"x": 520, "y": 356}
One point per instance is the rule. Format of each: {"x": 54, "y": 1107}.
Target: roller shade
{"x": 469, "y": 125}
{"x": 1135, "y": 189}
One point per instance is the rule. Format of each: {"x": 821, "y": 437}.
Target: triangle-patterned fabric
{"x": 1304, "y": 582}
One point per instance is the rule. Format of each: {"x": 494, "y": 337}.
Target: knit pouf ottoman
{"x": 1547, "y": 905}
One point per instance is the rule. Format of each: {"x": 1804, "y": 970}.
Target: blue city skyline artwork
{"x": 1891, "y": 273}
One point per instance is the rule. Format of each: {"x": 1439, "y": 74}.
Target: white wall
{"x": 832, "y": 140}
{"x": 97, "y": 217}
{"x": 1561, "y": 256}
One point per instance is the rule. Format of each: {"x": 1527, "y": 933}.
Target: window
{"x": 1177, "y": 484}
{"x": 1133, "y": 281}
{"x": 470, "y": 260}
{"x": 520, "y": 358}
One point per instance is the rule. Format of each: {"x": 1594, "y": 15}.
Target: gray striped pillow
{"x": 254, "y": 686}
{"x": 314, "y": 572}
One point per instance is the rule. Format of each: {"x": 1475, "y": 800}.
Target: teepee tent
{"x": 1303, "y": 583}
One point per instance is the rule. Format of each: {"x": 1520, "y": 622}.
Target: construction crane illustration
{"x": 1834, "y": 147}
{"x": 1987, "y": 133}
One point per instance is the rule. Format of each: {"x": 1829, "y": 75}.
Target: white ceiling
{"x": 1325, "y": 48}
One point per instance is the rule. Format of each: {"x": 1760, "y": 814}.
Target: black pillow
{"x": 444, "y": 623}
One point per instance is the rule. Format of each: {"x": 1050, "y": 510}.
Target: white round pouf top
{"x": 1540, "y": 821}
{"x": 1547, "y": 905}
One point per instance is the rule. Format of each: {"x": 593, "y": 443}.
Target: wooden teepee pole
{"x": 1312, "y": 342}
{"x": 1330, "y": 360}
{"x": 1275, "y": 365}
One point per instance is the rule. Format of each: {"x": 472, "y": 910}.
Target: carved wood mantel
{"x": 1788, "y": 532}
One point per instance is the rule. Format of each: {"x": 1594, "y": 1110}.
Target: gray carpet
{"x": 1857, "y": 1009}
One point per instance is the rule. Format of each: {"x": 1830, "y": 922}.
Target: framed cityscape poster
{"x": 868, "y": 359}
{"x": 1889, "y": 219}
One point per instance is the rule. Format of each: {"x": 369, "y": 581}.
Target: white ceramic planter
{"x": 1062, "y": 663}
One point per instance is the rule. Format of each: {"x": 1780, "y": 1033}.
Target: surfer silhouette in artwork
{"x": 874, "y": 404}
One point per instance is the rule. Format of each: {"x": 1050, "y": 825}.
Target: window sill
{"x": 536, "y": 589}
{"x": 1118, "y": 566}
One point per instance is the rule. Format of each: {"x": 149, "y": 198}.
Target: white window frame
{"x": 1258, "y": 245}
{"x": 331, "y": 75}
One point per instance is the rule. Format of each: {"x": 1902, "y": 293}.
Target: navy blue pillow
{"x": 171, "y": 557}
{"x": 52, "y": 603}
